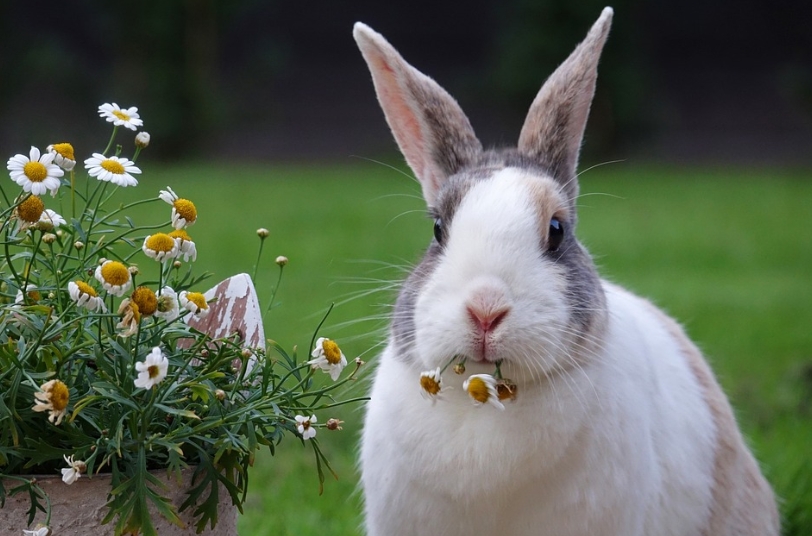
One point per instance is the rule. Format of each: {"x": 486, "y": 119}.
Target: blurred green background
{"x": 263, "y": 114}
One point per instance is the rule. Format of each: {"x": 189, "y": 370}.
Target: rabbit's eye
{"x": 556, "y": 234}
{"x": 439, "y": 231}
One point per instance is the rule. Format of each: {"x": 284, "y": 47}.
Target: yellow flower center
{"x": 65, "y": 150}
{"x": 478, "y": 390}
{"x": 145, "y": 299}
{"x": 332, "y": 353}
{"x": 59, "y": 396}
{"x": 35, "y": 171}
{"x": 154, "y": 371}
{"x": 198, "y": 299}
{"x": 31, "y": 209}
{"x": 115, "y": 273}
{"x": 34, "y": 295}
{"x": 430, "y": 385}
{"x": 182, "y": 234}
{"x": 84, "y": 288}
{"x": 121, "y": 115}
{"x": 185, "y": 209}
{"x": 160, "y": 242}
{"x": 113, "y": 166}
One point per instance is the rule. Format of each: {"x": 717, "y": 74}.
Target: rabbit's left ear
{"x": 554, "y": 128}
{"x": 429, "y": 126}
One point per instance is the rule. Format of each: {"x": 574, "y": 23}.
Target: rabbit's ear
{"x": 429, "y": 126}
{"x": 554, "y": 128}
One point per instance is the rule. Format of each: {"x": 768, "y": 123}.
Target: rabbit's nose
{"x": 486, "y": 318}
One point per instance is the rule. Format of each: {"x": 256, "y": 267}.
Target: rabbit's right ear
{"x": 429, "y": 126}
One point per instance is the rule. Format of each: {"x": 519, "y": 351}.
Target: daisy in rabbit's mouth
{"x": 483, "y": 389}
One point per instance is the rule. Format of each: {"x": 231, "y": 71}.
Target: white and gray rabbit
{"x": 602, "y": 417}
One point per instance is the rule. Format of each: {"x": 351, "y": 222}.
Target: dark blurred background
{"x": 690, "y": 81}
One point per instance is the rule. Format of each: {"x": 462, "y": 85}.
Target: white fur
{"x": 611, "y": 439}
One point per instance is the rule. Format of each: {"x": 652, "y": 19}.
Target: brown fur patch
{"x": 743, "y": 502}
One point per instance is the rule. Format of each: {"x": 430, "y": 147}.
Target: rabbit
{"x": 580, "y": 408}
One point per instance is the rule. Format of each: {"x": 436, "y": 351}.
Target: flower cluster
{"x": 481, "y": 388}
{"x": 101, "y": 369}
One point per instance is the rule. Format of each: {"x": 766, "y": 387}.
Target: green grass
{"x": 728, "y": 252}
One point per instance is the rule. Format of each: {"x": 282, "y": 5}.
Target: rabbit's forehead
{"x": 514, "y": 194}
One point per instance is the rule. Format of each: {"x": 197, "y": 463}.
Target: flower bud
{"x": 49, "y": 238}
{"x": 133, "y": 269}
{"x": 262, "y": 232}
{"x": 459, "y": 368}
{"x": 281, "y": 260}
{"x": 220, "y": 394}
{"x": 358, "y": 362}
{"x": 177, "y": 264}
{"x": 142, "y": 139}
{"x": 247, "y": 353}
{"x": 78, "y": 244}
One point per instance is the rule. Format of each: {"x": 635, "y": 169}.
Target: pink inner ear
{"x": 403, "y": 120}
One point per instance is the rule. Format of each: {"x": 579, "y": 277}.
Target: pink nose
{"x": 487, "y": 320}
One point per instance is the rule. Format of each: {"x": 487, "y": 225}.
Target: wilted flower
{"x": 305, "y": 426}
{"x": 328, "y": 357}
{"x": 30, "y": 210}
{"x": 74, "y": 470}
{"x": 112, "y": 169}
{"x": 39, "y": 531}
{"x": 36, "y": 173}
{"x": 334, "y": 424}
{"x": 53, "y": 397}
{"x": 130, "y": 318}
{"x": 152, "y": 370}
{"x": 128, "y": 118}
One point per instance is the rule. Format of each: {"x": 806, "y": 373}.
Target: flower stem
{"x": 112, "y": 139}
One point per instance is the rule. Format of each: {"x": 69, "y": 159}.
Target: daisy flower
{"x": 152, "y": 370}
{"x": 185, "y": 244}
{"x": 482, "y": 388}
{"x": 431, "y": 383}
{"x": 160, "y": 247}
{"x": 63, "y": 155}
{"x": 36, "y": 173}
{"x": 146, "y": 300}
{"x": 114, "y": 277}
{"x": 31, "y": 293}
{"x": 112, "y": 169}
{"x": 305, "y": 426}
{"x": 86, "y": 296}
{"x": 49, "y": 219}
{"x": 30, "y": 210}
{"x": 194, "y": 302}
{"x": 39, "y": 531}
{"x": 74, "y": 470}
{"x": 184, "y": 212}
{"x": 328, "y": 357}
{"x": 128, "y": 118}
{"x": 167, "y": 304}
{"x": 53, "y": 396}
